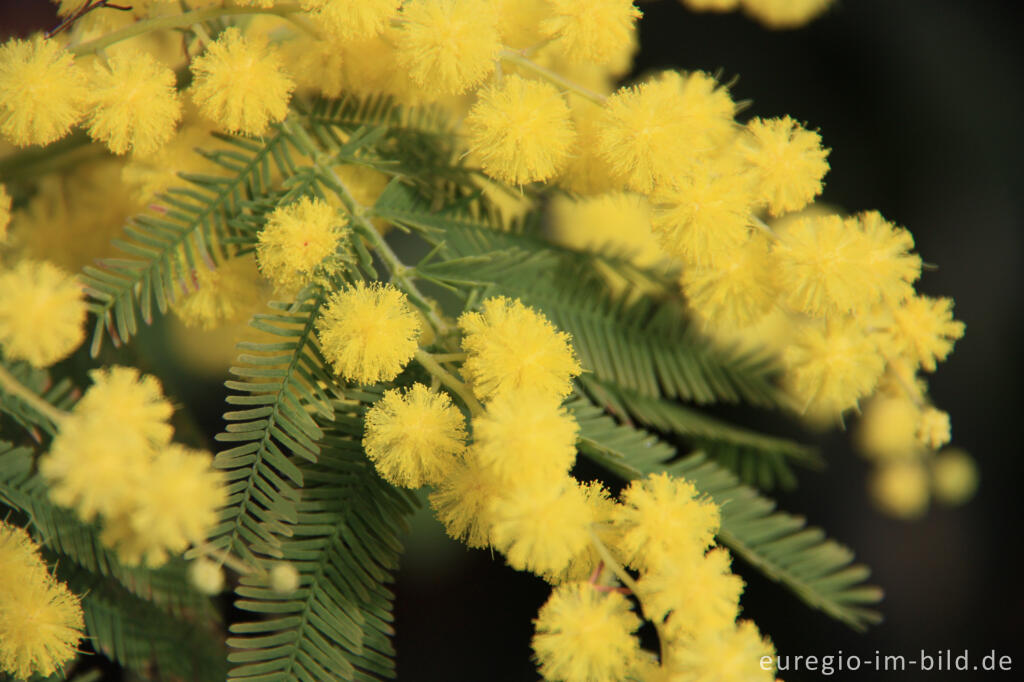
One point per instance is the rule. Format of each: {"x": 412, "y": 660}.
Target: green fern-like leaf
{"x": 346, "y": 545}
{"x": 278, "y": 381}
{"x": 191, "y": 229}
{"x": 60, "y": 394}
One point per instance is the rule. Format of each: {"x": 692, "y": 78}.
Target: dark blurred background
{"x": 920, "y": 101}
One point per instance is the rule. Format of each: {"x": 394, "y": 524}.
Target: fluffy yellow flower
{"x": 521, "y": 131}
{"x": 954, "y": 476}
{"x": 821, "y": 266}
{"x": 369, "y": 333}
{"x": 889, "y": 263}
{"x": 587, "y": 172}
{"x": 585, "y": 635}
{"x": 653, "y": 131}
{"x": 692, "y": 594}
{"x": 296, "y": 241}
{"x": 5, "y": 212}
{"x": 901, "y": 489}
{"x": 175, "y": 507}
{"x": 240, "y": 84}
{"x": 222, "y": 295}
{"x": 461, "y": 501}
{"x": 829, "y": 368}
{"x": 448, "y": 46}
{"x": 414, "y": 438}
{"x": 285, "y": 578}
{"x": 730, "y": 655}
{"x": 662, "y": 517}
{"x": 702, "y": 215}
{"x": 207, "y": 576}
{"x": 602, "y": 511}
{"x": 924, "y": 330}
{"x": 785, "y": 13}
{"x": 519, "y": 22}
{"x": 135, "y": 103}
{"x": 121, "y": 396}
{"x": 526, "y": 440}
{"x": 352, "y": 19}
{"x": 541, "y": 527}
{"x": 888, "y": 428}
{"x": 737, "y": 291}
{"x": 43, "y": 93}
{"x": 590, "y": 31}
{"x": 40, "y": 619}
{"x": 42, "y": 313}
{"x": 616, "y": 222}
{"x": 933, "y": 429}
{"x": 788, "y": 162}
{"x": 95, "y": 465}
{"x": 512, "y": 347}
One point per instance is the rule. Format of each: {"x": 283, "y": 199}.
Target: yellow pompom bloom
{"x": 120, "y": 395}
{"x": 135, "y": 103}
{"x": 519, "y": 22}
{"x": 653, "y": 131}
{"x": 933, "y": 429}
{"x": 900, "y": 489}
{"x": 448, "y": 46}
{"x": 94, "y": 466}
{"x": 587, "y": 172}
{"x": 821, "y": 266}
{"x": 662, "y": 517}
{"x": 176, "y": 506}
{"x": 954, "y": 476}
{"x": 462, "y": 499}
{"x": 541, "y": 527}
{"x": 585, "y": 635}
{"x": 521, "y": 131}
{"x": 730, "y": 655}
{"x": 352, "y": 19}
{"x": 924, "y": 330}
{"x": 888, "y": 429}
{"x": 240, "y": 85}
{"x": 222, "y": 295}
{"x": 889, "y": 263}
{"x": 5, "y": 212}
{"x": 40, "y": 619}
{"x": 369, "y": 333}
{"x": 285, "y": 578}
{"x": 692, "y": 594}
{"x": 616, "y": 222}
{"x": 42, "y": 313}
{"x": 702, "y": 215}
{"x": 788, "y": 163}
{"x": 414, "y": 438}
{"x": 785, "y": 13}
{"x": 737, "y": 290}
{"x": 602, "y": 511}
{"x": 526, "y": 438}
{"x": 207, "y": 576}
{"x": 512, "y": 347}
{"x": 590, "y": 31}
{"x": 829, "y": 368}
{"x": 43, "y": 93}
{"x": 296, "y": 241}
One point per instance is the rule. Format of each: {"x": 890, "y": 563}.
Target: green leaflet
{"x": 818, "y": 570}
{"x": 345, "y": 544}
{"x": 277, "y": 381}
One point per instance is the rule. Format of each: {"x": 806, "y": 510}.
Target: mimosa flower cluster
{"x": 40, "y": 619}
{"x": 476, "y": 405}
{"x": 113, "y": 458}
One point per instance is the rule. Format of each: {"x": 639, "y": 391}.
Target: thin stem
{"x": 550, "y": 76}
{"x": 460, "y": 389}
{"x": 224, "y": 558}
{"x": 450, "y": 357}
{"x": 627, "y": 580}
{"x": 763, "y": 227}
{"x": 184, "y": 20}
{"x": 10, "y": 384}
